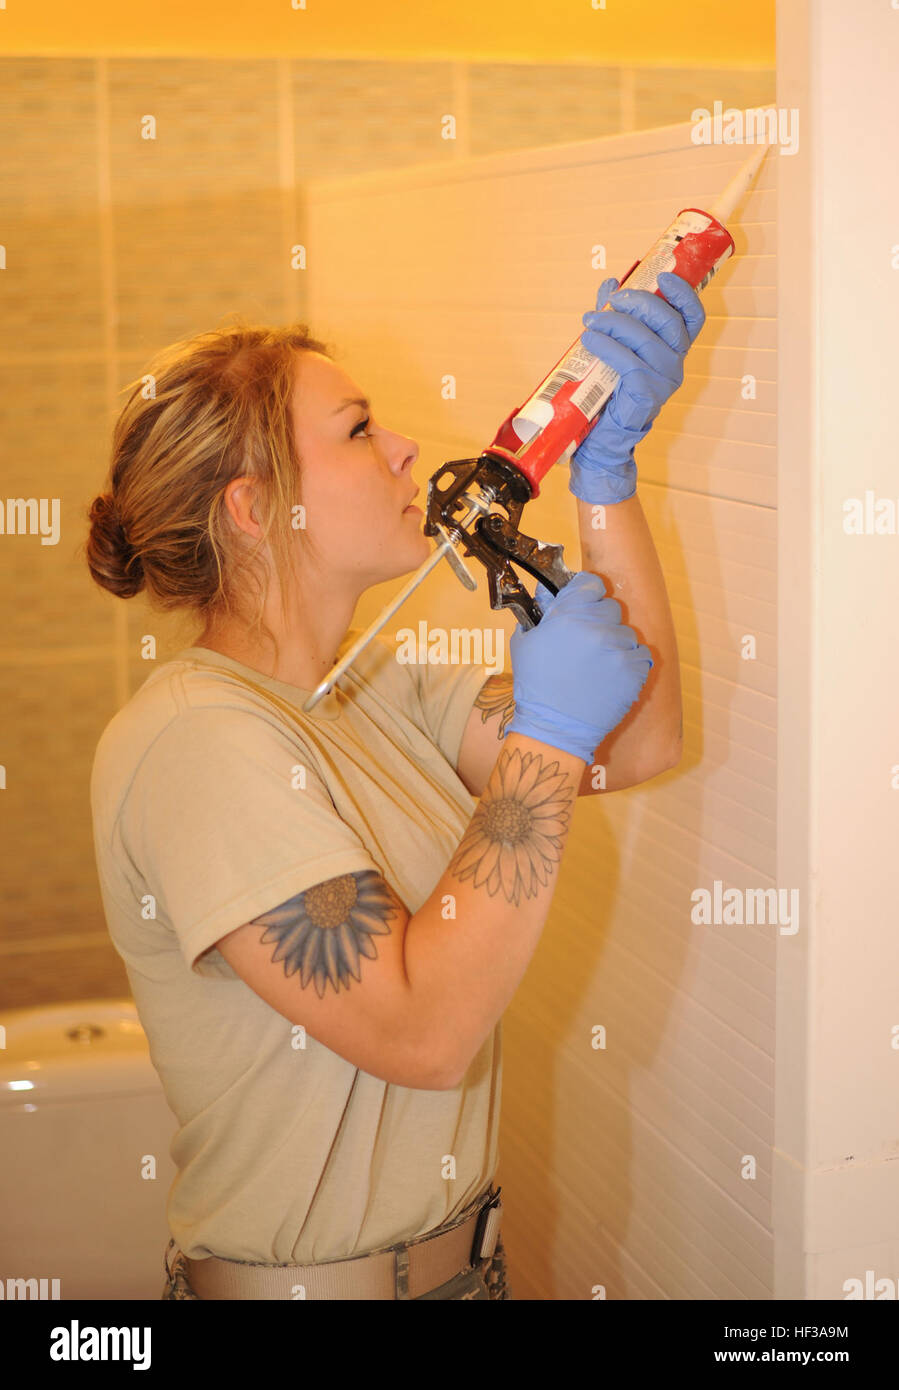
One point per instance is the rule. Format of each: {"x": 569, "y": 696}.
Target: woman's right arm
{"x": 417, "y": 1012}
{"x": 415, "y": 1007}
{"x": 468, "y": 946}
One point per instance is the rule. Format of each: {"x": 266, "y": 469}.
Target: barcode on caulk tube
{"x": 596, "y": 389}
{"x": 555, "y": 384}
{"x": 593, "y": 398}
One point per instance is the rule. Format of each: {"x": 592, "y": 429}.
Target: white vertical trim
{"x": 836, "y": 1179}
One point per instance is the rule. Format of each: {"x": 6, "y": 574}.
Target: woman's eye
{"x": 361, "y": 425}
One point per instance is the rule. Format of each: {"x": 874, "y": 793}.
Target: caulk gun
{"x": 476, "y": 503}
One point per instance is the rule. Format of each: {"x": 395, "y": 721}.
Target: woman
{"x": 320, "y": 923}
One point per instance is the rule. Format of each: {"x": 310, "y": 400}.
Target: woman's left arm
{"x": 644, "y": 337}
{"x": 649, "y": 739}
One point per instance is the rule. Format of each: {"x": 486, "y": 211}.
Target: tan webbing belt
{"x": 406, "y": 1270}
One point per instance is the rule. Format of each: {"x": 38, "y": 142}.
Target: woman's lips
{"x": 412, "y": 508}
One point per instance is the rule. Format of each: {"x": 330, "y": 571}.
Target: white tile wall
{"x": 621, "y": 1167}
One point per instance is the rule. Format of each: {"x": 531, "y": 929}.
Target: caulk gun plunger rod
{"x": 350, "y": 655}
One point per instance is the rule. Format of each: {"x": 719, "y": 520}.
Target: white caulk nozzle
{"x": 728, "y": 200}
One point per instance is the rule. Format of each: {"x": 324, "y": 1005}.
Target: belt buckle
{"x": 486, "y": 1230}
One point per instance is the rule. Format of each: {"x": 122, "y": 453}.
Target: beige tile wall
{"x": 116, "y": 245}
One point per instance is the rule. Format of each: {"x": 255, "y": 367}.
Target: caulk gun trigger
{"x": 455, "y": 559}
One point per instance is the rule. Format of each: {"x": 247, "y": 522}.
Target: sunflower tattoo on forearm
{"x": 518, "y": 830}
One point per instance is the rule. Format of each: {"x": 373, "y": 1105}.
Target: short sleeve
{"x": 225, "y": 819}
{"x": 447, "y": 694}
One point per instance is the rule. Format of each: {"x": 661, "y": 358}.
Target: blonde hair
{"x": 220, "y": 410}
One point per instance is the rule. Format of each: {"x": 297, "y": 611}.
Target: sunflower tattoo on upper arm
{"x": 495, "y": 697}
{"x": 324, "y": 932}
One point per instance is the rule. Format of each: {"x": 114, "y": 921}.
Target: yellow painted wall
{"x": 689, "y": 33}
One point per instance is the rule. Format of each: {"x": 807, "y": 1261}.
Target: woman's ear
{"x": 240, "y": 499}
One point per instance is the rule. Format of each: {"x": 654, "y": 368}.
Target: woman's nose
{"x": 406, "y": 451}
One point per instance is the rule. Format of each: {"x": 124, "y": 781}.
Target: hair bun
{"x": 112, "y": 560}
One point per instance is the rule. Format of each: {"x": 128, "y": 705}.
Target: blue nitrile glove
{"x": 577, "y": 673}
{"x": 644, "y": 339}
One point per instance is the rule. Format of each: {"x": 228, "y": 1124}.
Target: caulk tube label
{"x": 555, "y": 419}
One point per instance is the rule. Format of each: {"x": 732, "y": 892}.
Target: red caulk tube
{"x": 551, "y": 423}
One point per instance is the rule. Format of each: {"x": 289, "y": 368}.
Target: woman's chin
{"x": 414, "y": 522}
{"x": 421, "y": 551}
{"x": 416, "y": 550}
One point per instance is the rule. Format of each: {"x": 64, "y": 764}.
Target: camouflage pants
{"x": 485, "y": 1280}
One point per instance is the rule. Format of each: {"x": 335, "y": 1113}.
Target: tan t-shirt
{"x": 285, "y": 1154}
